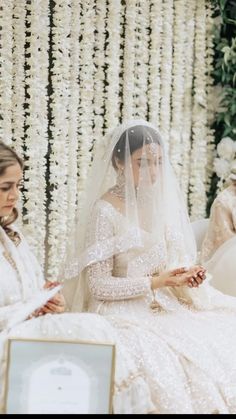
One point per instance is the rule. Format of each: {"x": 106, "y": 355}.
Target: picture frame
{"x": 55, "y": 376}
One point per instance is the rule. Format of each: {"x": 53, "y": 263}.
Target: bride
{"x": 135, "y": 252}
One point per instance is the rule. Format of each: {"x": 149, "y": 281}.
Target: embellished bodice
{"x": 122, "y": 273}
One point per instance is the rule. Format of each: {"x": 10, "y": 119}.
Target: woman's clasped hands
{"x": 55, "y": 305}
{"x": 192, "y": 277}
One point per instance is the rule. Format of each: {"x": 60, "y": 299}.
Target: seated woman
{"x": 219, "y": 245}
{"x": 29, "y": 308}
{"x": 136, "y": 254}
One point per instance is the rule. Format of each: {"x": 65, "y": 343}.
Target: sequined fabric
{"x": 184, "y": 348}
{"x": 222, "y": 222}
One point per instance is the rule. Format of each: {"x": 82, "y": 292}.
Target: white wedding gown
{"x": 185, "y": 348}
{"x": 176, "y": 360}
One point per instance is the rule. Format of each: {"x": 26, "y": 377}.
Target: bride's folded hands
{"x": 192, "y": 277}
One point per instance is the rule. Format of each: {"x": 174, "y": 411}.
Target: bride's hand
{"x": 167, "y": 278}
{"x": 198, "y": 275}
{"x": 191, "y": 277}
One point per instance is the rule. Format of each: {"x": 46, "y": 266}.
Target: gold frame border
{"x": 85, "y": 342}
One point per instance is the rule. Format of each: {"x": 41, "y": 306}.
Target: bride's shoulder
{"x": 107, "y": 204}
{"x": 110, "y": 198}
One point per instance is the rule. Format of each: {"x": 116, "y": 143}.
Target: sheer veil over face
{"x": 131, "y": 171}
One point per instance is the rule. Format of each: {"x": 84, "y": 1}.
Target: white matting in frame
{"x": 52, "y": 376}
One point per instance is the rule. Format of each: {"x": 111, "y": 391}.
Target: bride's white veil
{"x": 155, "y": 218}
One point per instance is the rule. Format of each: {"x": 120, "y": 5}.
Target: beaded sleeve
{"x": 102, "y": 284}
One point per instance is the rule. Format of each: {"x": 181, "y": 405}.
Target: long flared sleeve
{"x": 103, "y": 285}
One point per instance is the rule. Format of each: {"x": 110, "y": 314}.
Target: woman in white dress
{"x": 136, "y": 253}
{"x": 219, "y": 245}
{"x": 29, "y": 308}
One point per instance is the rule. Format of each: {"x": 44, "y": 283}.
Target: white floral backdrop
{"x": 71, "y": 69}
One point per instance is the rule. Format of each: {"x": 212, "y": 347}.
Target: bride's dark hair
{"x": 8, "y": 157}
{"x": 136, "y": 135}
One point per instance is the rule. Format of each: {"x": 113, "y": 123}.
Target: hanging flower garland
{"x": 122, "y": 48}
{"x": 113, "y": 64}
{"x": 129, "y": 59}
{"x": 73, "y": 106}
{"x": 59, "y": 134}
{"x": 166, "y": 68}
{"x": 156, "y": 35}
{"x": 177, "y": 95}
{"x": 99, "y": 73}
{"x": 187, "y": 101}
{"x": 36, "y": 141}
{"x": 6, "y": 71}
{"x": 18, "y": 83}
{"x": 18, "y": 74}
{"x": 86, "y": 81}
{"x": 141, "y": 60}
{"x": 210, "y": 93}
{"x": 199, "y": 119}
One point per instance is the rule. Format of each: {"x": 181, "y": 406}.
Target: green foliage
{"x": 224, "y": 75}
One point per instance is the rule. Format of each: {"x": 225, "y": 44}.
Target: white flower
{"x": 226, "y": 148}
{"x": 233, "y": 165}
{"x": 221, "y": 167}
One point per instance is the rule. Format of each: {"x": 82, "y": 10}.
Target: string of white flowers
{"x": 36, "y": 139}
{"x": 197, "y": 196}
{"x": 73, "y": 106}
{"x": 122, "y": 46}
{"x": 155, "y": 59}
{"x": 18, "y": 84}
{"x": 166, "y": 67}
{"x": 60, "y": 78}
{"x": 18, "y": 75}
{"x": 177, "y": 94}
{"x": 188, "y": 101}
{"x": 112, "y": 59}
{"x": 210, "y": 92}
{"x": 129, "y": 59}
{"x": 6, "y": 43}
{"x": 99, "y": 73}
{"x": 141, "y": 59}
{"x": 86, "y": 81}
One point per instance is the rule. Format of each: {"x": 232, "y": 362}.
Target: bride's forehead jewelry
{"x": 153, "y": 147}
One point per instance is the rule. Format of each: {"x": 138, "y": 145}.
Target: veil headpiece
{"x": 131, "y": 172}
